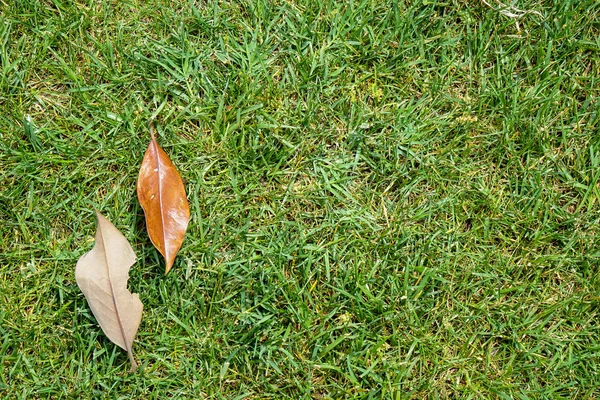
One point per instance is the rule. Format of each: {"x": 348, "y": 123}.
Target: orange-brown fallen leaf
{"x": 161, "y": 193}
{"x": 102, "y": 276}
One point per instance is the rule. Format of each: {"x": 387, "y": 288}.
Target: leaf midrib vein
{"x": 160, "y": 201}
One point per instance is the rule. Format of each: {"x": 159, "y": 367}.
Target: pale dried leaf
{"x": 102, "y": 276}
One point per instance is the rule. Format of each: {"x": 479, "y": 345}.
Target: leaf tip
{"x": 168, "y": 266}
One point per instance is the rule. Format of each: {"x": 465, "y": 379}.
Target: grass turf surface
{"x": 389, "y": 199}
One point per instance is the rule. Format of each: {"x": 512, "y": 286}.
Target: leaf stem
{"x": 133, "y": 363}
{"x": 151, "y": 126}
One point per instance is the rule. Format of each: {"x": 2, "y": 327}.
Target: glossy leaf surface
{"x": 162, "y": 195}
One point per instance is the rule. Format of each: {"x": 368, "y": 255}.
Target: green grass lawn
{"x": 389, "y": 199}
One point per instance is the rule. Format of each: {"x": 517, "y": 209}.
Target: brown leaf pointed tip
{"x": 162, "y": 196}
